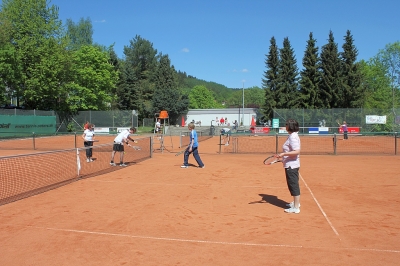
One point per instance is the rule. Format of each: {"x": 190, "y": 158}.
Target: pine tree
{"x": 286, "y": 95}
{"x": 140, "y": 66}
{"x": 167, "y": 96}
{"x": 270, "y": 80}
{"x": 352, "y": 89}
{"x": 331, "y": 85}
{"x": 310, "y": 76}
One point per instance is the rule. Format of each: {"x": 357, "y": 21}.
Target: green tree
{"x": 139, "y": 68}
{"x": 9, "y": 62}
{"x": 37, "y": 40}
{"x": 93, "y": 80}
{"x": 201, "y": 98}
{"x": 352, "y": 90}
{"x": 80, "y": 33}
{"x": 286, "y": 94}
{"x": 270, "y": 80}
{"x": 389, "y": 58}
{"x": 253, "y": 97}
{"x": 377, "y": 85}
{"x": 331, "y": 84}
{"x": 310, "y": 76}
{"x": 166, "y": 95}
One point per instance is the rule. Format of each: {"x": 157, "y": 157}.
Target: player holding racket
{"x": 88, "y": 138}
{"x": 192, "y": 148}
{"x": 119, "y": 141}
{"x": 290, "y": 158}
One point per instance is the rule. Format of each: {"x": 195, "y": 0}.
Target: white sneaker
{"x": 226, "y": 144}
{"x": 113, "y": 164}
{"x": 184, "y": 166}
{"x": 291, "y": 205}
{"x": 122, "y": 164}
{"x": 293, "y": 210}
{"x": 91, "y": 160}
{"x": 202, "y": 166}
{"x": 88, "y": 160}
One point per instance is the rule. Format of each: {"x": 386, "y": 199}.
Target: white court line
{"x": 319, "y": 206}
{"x": 209, "y": 241}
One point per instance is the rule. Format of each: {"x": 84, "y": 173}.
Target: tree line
{"x": 48, "y": 65}
{"x": 330, "y": 78}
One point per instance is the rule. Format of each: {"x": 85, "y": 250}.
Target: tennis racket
{"x": 271, "y": 160}
{"x": 337, "y": 121}
{"x": 179, "y": 153}
{"x": 137, "y": 148}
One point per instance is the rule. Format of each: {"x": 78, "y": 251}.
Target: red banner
{"x": 259, "y": 130}
{"x": 350, "y": 130}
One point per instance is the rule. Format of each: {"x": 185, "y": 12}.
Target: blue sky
{"x": 227, "y": 41}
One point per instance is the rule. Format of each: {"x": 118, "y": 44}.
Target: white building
{"x": 208, "y": 117}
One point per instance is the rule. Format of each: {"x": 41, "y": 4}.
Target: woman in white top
{"x": 88, "y": 137}
{"x": 291, "y": 162}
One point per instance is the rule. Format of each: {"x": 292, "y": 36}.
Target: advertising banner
{"x": 350, "y": 130}
{"x": 27, "y": 124}
{"x": 375, "y": 119}
{"x": 259, "y": 130}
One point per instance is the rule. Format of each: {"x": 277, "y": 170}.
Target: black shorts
{"x": 118, "y": 147}
{"x": 292, "y": 180}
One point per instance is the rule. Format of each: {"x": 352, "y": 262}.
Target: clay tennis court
{"x": 229, "y": 213}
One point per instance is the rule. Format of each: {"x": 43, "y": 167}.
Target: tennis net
{"x": 329, "y": 144}
{"x": 26, "y": 175}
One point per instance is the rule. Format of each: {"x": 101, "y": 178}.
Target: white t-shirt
{"x": 122, "y": 136}
{"x": 158, "y": 125}
{"x": 292, "y": 143}
{"x": 89, "y": 134}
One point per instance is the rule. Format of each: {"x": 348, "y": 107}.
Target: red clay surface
{"x": 229, "y": 213}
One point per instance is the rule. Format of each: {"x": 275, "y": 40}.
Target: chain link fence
{"x": 354, "y": 117}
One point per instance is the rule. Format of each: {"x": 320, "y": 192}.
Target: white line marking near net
{"x": 319, "y": 206}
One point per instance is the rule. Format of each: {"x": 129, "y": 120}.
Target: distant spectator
{"x": 235, "y": 125}
{"x": 345, "y": 130}
{"x": 221, "y": 121}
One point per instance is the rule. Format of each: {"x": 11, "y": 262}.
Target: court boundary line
{"x": 320, "y": 208}
{"x": 209, "y": 241}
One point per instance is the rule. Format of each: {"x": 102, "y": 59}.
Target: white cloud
{"x": 244, "y": 70}
{"x": 185, "y": 50}
{"x": 100, "y": 21}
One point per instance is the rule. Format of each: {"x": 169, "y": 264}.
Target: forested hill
{"x": 221, "y": 92}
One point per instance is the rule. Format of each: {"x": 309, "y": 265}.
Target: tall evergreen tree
{"x": 310, "y": 76}
{"x": 352, "y": 78}
{"x": 270, "y": 80}
{"x": 331, "y": 84}
{"x": 139, "y": 68}
{"x": 286, "y": 95}
{"x": 167, "y": 96}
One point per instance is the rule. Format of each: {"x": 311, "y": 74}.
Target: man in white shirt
{"x": 119, "y": 141}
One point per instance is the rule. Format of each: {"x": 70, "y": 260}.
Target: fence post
{"x": 33, "y": 139}
{"x": 75, "y": 140}
{"x": 334, "y": 143}
{"x": 220, "y": 143}
{"x": 151, "y": 146}
{"x": 276, "y": 142}
{"x": 395, "y": 143}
